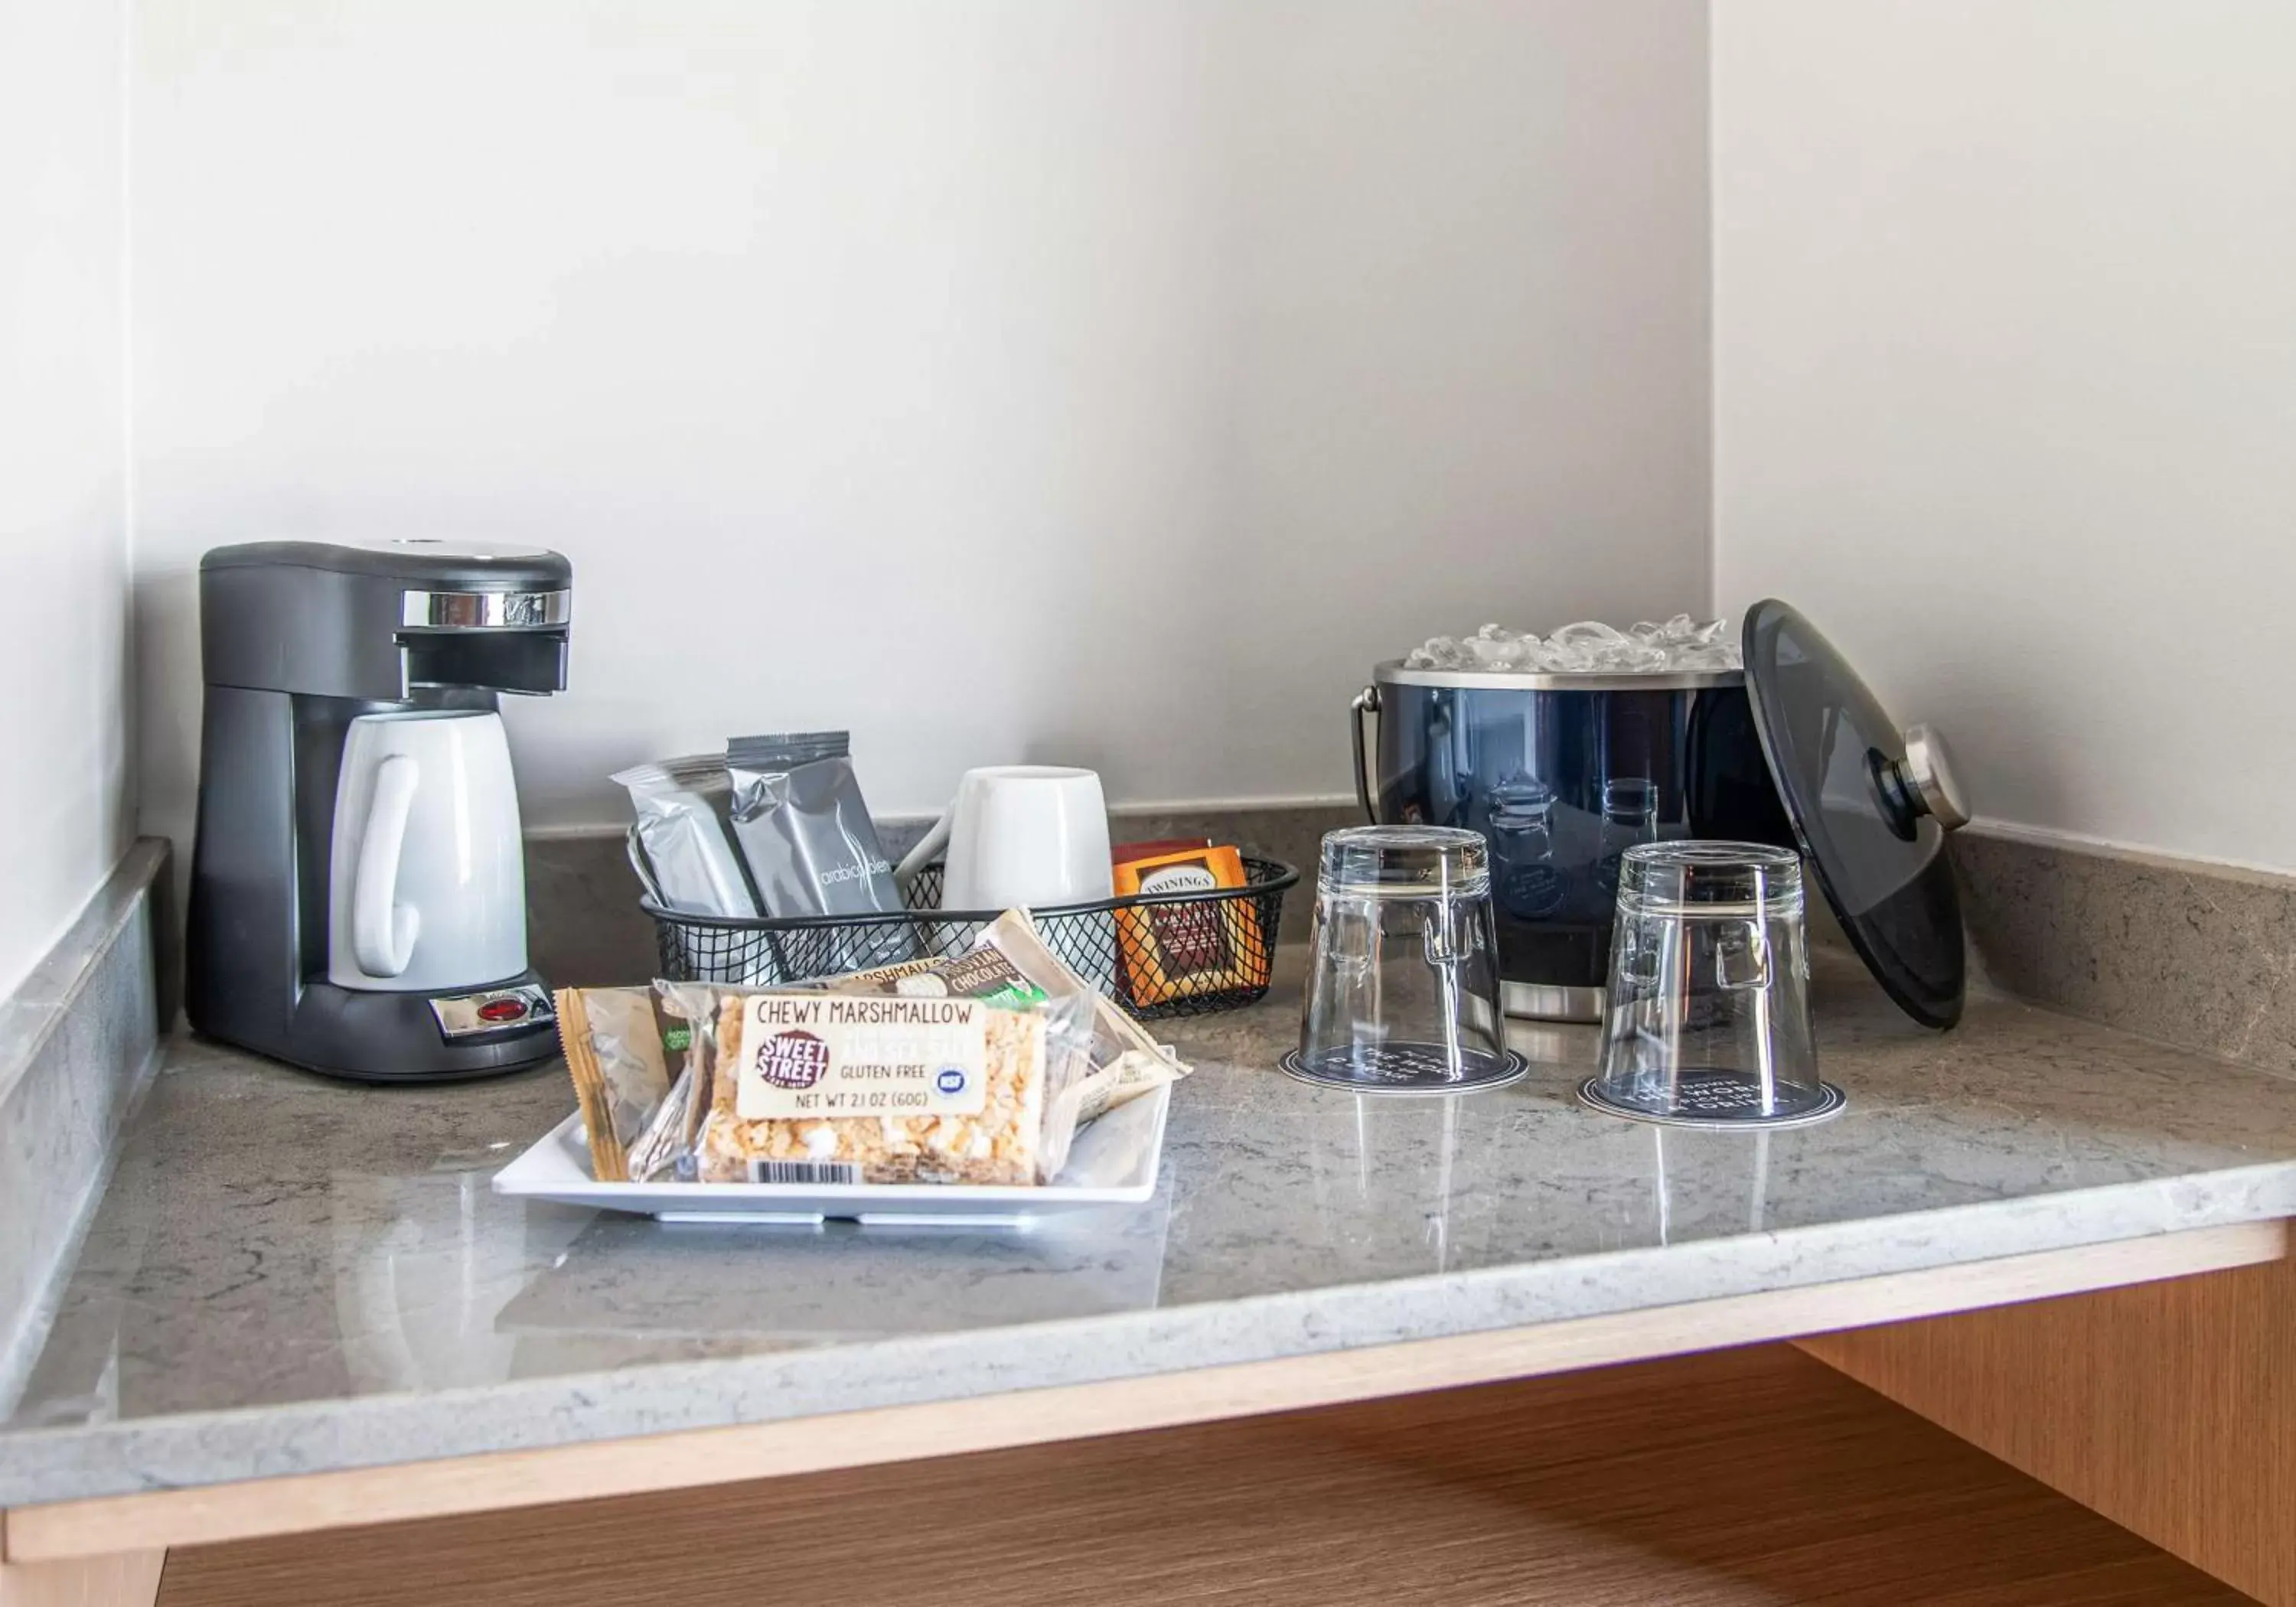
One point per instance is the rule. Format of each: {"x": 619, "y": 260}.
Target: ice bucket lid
{"x": 1877, "y": 846}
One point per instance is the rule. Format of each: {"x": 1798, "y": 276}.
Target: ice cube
{"x": 1588, "y": 645}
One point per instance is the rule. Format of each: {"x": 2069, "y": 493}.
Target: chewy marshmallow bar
{"x": 998, "y": 1146}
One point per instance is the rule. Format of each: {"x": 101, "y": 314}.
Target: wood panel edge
{"x": 685, "y": 1459}
{"x": 129, "y": 1579}
{"x": 2167, "y": 1407}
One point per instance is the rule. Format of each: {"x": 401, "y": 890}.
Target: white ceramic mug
{"x": 427, "y": 871}
{"x": 1019, "y": 836}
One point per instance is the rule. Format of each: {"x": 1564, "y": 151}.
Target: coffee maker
{"x": 358, "y": 886}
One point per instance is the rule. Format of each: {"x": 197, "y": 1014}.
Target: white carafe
{"x": 427, "y": 882}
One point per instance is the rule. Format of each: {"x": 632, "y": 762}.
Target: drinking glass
{"x": 1403, "y": 983}
{"x": 1708, "y": 1015}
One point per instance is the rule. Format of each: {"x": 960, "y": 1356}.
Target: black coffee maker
{"x": 358, "y": 902}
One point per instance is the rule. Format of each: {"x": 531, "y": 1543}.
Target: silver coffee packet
{"x": 683, "y": 806}
{"x": 810, "y": 846}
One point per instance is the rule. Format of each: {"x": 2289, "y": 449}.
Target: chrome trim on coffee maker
{"x": 483, "y": 611}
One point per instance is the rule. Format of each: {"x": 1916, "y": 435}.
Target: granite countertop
{"x": 288, "y": 1274}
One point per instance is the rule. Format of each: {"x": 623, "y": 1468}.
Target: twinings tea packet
{"x": 1197, "y": 946}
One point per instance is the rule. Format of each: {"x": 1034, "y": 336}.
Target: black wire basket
{"x": 1159, "y": 954}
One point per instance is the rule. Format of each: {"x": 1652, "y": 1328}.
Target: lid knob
{"x": 1925, "y": 780}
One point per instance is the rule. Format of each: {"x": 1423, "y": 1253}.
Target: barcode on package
{"x": 804, "y": 1171}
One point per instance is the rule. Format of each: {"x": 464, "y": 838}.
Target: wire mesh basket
{"x": 1159, "y": 955}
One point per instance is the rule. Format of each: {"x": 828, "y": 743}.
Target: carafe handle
{"x": 382, "y": 929}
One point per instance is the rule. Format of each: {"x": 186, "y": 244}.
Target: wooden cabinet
{"x": 2154, "y": 1425}
{"x": 1750, "y": 1476}
{"x": 2167, "y": 1407}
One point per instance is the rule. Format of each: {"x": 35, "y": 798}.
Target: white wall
{"x": 1014, "y": 378}
{"x": 64, "y": 532}
{"x": 2005, "y": 356}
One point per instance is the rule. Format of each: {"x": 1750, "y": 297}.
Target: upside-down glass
{"x": 1403, "y": 984}
{"x": 1708, "y": 1015}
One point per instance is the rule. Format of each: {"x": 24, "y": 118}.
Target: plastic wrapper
{"x": 664, "y": 1150}
{"x": 963, "y": 1070}
{"x": 818, "y": 1087}
{"x": 658, "y": 1072}
{"x": 1124, "y": 1061}
{"x": 682, "y": 808}
{"x": 1127, "y": 1062}
{"x": 1112, "y": 1150}
{"x": 625, "y": 1061}
{"x": 809, "y": 843}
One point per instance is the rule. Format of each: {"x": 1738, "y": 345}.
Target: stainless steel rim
{"x": 1548, "y": 1002}
{"x": 1393, "y": 673}
{"x": 1833, "y": 1103}
{"x": 483, "y": 611}
{"x": 1516, "y": 1069}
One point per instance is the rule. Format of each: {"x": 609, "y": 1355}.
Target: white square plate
{"x": 558, "y": 1168}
